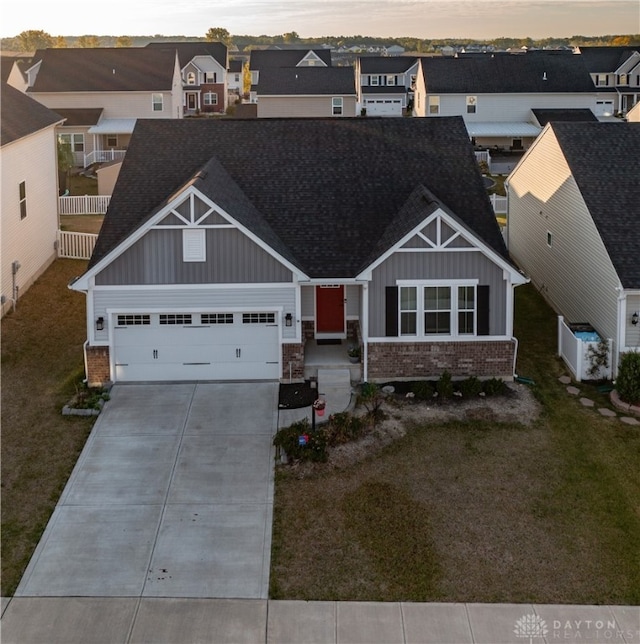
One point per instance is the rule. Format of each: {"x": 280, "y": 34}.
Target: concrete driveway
{"x": 172, "y": 496}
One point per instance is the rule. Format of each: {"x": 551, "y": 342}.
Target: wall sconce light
{"x": 635, "y": 318}
{"x": 288, "y": 319}
{"x": 100, "y": 324}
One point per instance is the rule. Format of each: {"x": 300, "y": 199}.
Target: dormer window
{"x": 602, "y": 80}
{"x": 623, "y": 79}
{"x": 191, "y": 78}
{"x": 210, "y": 77}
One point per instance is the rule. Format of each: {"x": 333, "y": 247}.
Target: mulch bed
{"x": 296, "y": 395}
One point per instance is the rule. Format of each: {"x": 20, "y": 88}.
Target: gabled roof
{"x": 235, "y": 66}
{"x": 263, "y": 58}
{"x": 80, "y": 116}
{"x": 538, "y": 73}
{"x": 21, "y": 115}
{"x": 306, "y": 81}
{"x": 386, "y": 64}
{"x": 605, "y": 59}
{"x": 328, "y": 190}
{"x": 118, "y": 69}
{"x": 545, "y": 116}
{"x": 603, "y": 159}
{"x": 187, "y": 51}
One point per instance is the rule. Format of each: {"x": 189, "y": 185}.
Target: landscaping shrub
{"x": 628, "y": 380}
{"x": 494, "y": 387}
{"x": 470, "y": 387}
{"x": 371, "y": 398}
{"x": 444, "y": 386}
{"x": 343, "y": 428}
{"x": 423, "y": 390}
{"x": 313, "y": 447}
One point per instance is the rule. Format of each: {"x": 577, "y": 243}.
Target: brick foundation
{"x": 293, "y": 354}
{"x": 389, "y": 360}
{"x": 308, "y": 330}
{"x": 98, "y": 372}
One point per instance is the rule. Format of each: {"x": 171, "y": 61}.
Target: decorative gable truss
{"x": 311, "y": 59}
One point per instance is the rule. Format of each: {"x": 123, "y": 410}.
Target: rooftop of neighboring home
{"x": 7, "y": 62}
{"x": 502, "y": 73}
{"x": 187, "y": 51}
{"x": 262, "y": 58}
{"x": 21, "y": 115}
{"x": 544, "y": 115}
{"x": 104, "y": 69}
{"x": 602, "y": 158}
{"x": 330, "y": 195}
{"x": 606, "y": 59}
{"x": 385, "y": 64}
{"x": 80, "y": 116}
{"x": 306, "y": 81}
{"x": 235, "y": 66}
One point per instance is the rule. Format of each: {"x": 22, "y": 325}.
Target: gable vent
{"x": 544, "y": 76}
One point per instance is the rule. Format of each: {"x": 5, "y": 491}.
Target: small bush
{"x": 470, "y": 387}
{"x": 628, "y": 380}
{"x": 288, "y": 439}
{"x": 444, "y": 386}
{"x": 343, "y": 428}
{"x": 371, "y": 398}
{"x": 423, "y": 390}
{"x": 494, "y": 387}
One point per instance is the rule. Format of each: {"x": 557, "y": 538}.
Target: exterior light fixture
{"x": 288, "y": 319}
{"x": 634, "y": 318}
{"x": 100, "y": 324}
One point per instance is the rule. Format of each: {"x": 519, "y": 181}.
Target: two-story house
{"x": 616, "y": 74}
{"x": 203, "y": 67}
{"x": 109, "y": 88}
{"x": 385, "y": 84}
{"x": 496, "y": 93}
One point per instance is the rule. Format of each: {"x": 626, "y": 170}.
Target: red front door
{"x": 330, "y": 310}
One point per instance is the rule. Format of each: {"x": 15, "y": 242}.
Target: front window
{"x": 157, "y": 101}
{"x": 602, "y": 79}
{"x": 336, "y": 106}
{"x": 434, "y": 105}
{"x": 624, "y": 79}
{"x": 471, "y": 104}
{"x": 438, "y": 309}
{"x": 210, "y": 98}
{"x": 112, "y": 140}
{"x": 210, "y": 77}
{"x": 374, "y": 80}
{"x": 391, "y": 80}
{"x": 22, "y": 193}
{"x": 191, "y": 78}
{"x": 74, "y": 141}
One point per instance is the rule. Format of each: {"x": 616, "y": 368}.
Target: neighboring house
{"x": 12, "y": 70}
{"x": 633, "y": 115}
{"x": 541, "y": 116}
{"x": 615, "y": 72}
{"x": 124, "y": 83}
{"x": 306, "y": 92}
{"x": 235, "y": 80}
{"x": 28, "y": 192}
{"x": 231, "y": 244}
{"x": 203, "y": 66}
{"x": 574, "y": 225}
{"x": 395, "y": 50}
{"x": 261, "y": 59}
{"x": 385, "y": 85}
{"x": 495, "y": 93}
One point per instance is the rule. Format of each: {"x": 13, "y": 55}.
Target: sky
{"x": 473, "y": 19}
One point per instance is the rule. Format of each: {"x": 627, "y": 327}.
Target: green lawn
{"x": 474, "y": 511}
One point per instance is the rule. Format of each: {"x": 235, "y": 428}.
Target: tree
{"x": 290, "y": 37}
{"x": 246, "y": 79}
{"x": 123, "y": 41}
{"x": 88, "y": 42}
{"x": 32, "y": 40}
{"x": 65, "y": 162}
{"x": 60, "y": 42}
{"x": 218, "y": 34}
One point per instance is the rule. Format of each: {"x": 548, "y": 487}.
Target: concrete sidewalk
{"x": 50, "y": 620}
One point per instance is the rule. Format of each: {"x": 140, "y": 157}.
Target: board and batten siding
{"x": 30, "y": 241}
{"x": 196, "y": 299}
{"x": 575, "y": 273}
{"x": 351, "y": 293}
{"x": 438, "y": 266}
{"x": 303, "y": 106}
{"x": 156, "y": 258}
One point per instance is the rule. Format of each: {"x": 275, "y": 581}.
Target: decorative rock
{"x": 586, "y": 402}
{"x": 72, "y": 411}
{"x": 630, "y": 421}
{"x": 606, "y": 412}
{"x": 574, "y": 391}
{"x": 565, "y": 380}
{"x": 388, "y": 389}
{"x": 410, "y": 394}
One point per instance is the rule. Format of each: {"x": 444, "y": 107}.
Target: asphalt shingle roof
{"x": 21, "y": 115}
{"x": 328, "y": 190}
{"x": 545, "y": 116}
{"x": 507, "y": 73}
{"x": 187, "y": 51}
{"x": 80, "y": 116}
{"x": 306, "y": 81}
{"x": 118, "y": 69}
{"x": 263, "y": 58}
{"x": 603, "y": 158}
{"x": 605, "y": 59}
{"x": 386, "y": 64}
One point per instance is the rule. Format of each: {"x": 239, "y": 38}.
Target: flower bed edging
{"x": 623, "y": 406}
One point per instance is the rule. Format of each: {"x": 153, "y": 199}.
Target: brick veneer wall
{"x": 308, "y": 329}
{"x": 98, "y": 372}
{"x": 293, "y": 354}
{"x": 388, "y": 360}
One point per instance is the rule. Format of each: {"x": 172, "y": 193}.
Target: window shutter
{"x": 391, "y": 311}
{"x": 482, "y": 294}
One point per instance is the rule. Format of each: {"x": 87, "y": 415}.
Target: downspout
{"x": 15, "y": 267}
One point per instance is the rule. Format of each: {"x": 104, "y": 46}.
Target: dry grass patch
{"x": 41, "y": 362}
{"x": 81, "y": 223}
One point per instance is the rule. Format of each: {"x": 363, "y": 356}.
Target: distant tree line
{"x": 29, "y": 41}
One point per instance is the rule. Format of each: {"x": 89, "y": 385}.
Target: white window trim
{"x": 194, "y": 245}
{"x": 433, "y": 102}
{"x": 472, "y": 104}
{"x": 455, "y": 309}
{"x": 157, "y": 99}
{"x": 210, "y": 94}
{"x": 374, "y": 81}
{"x": 337, "y": 102}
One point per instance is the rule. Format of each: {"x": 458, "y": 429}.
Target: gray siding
{"x": 200, "y": 299}
{"x": 575, "y": 274}
{"x": 632, "y": 332}
{"x": 438, "y": 266}
{"x": 232, "y": 258}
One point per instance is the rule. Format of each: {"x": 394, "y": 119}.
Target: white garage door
{"x": 384, "y": 107}
{"x": 604, "y": 108}
{"x": 196, "y": 346}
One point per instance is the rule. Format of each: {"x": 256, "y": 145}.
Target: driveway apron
{"x": 172, "y": 496}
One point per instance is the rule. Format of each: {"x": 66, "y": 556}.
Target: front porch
{"x": 318, "y": 355}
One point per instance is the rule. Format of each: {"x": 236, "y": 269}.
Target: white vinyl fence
{"x": 577, "y": 354}
{"x": 499, "y": 204}
{"x": 85, "y": 205}
{"x": 75, "y": 245}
